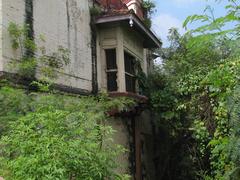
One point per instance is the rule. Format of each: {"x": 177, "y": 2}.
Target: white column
{"x": 120, "y": 62}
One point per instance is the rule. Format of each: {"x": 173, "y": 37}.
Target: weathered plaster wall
{"x": 67, "y": 23}
{"x": 133, "y": 43}
{"x": 63, "y": 23}
{"x": 148, "y": 154}
{"x": 1, "y": 27}
{"x": 121, "y": 136}
{"x": 12, "y": 11}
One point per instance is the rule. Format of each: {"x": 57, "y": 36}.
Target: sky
{"x": 172, "y": 13}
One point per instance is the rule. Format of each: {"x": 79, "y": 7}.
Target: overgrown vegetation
{"x": 196, "y": 97}
{"x": 148, "y": 8}
{"x": 55, "y": 136}
{"x": 36, "y": 60}
{"x": 52, "y": 135}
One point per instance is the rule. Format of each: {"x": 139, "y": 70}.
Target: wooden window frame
{"x": 131, "y": 75}
{"x": 111, "y": 70}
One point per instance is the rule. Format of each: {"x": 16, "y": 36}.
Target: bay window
{"x": 130, "y": 74}
{"x": 111, "y": 69}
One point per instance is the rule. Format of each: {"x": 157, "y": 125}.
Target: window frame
{"x": 130, "y": 74}
{"x": 111, "y": 70}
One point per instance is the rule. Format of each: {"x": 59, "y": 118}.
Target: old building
{"x": 105, "y": 49}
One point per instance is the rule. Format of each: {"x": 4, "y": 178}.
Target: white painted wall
{"x": 12, "y": 11}
{"x": 63, "y": 23}
{"x": 67, "y": 23}
{"x": 133, "y": 43}
{"x": 1, "y": 60}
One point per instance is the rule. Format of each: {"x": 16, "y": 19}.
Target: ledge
{"x": 26, "y": 83}
{"x": 141, "y": 102}
{"x": 137, "y": 97}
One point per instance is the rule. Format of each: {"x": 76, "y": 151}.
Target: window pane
{"x": 130, "y": 83}
{"x": 111, "y": 59}
{"x": 129, "y": 63}
{"x": 112, "y": 81}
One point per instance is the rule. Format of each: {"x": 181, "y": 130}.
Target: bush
{"x": 57, "y": 137}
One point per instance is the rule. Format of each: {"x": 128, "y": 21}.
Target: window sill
{"x": 141, "y": 102}
{"x": 137, "y": 97}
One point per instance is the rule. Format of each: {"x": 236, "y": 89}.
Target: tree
{"x": 193, "y": 94}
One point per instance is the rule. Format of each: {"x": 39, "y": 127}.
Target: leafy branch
{"x": 38, "y": 60}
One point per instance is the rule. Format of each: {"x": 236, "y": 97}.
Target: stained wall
{"x": 63, "y": 23}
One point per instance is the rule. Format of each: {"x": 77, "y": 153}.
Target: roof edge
{"x": 135, "y": 19}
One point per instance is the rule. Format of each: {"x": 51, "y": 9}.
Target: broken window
{"x": 130, "y": 74}
{"x": 111, "y": 69}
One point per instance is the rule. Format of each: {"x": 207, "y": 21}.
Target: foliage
{"x": 35, "y": 59}
{"x": 148, "y": 7}
{"x": 194, "y": 95}
{"x": 54, "y": 136}
{"x": 215, "y": 25}
{"x": 95, "y": 10}
{"x": 14, "y": 104}
{"x": 57, "y": 136}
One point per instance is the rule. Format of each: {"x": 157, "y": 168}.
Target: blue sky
{"x": 172, "y": 13}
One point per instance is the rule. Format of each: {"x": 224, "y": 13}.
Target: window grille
{"x": 111, "y": 69}
{"x": 130, "y": 74}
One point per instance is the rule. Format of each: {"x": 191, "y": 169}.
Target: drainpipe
{"x": 94, "y": 56}
{"x": 29, "y": 23}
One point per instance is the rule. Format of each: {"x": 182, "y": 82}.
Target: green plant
{"x": 148, "y": 7}
{"x": 36, "y": 59}
{"x": 14, "y": 104}
{"x": 193, "y": 95}
{"x": 95, "y": 11}
{"x": 57, "y": 136}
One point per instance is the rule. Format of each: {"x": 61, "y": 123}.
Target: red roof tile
{"x": 113, "y": 7}
{"x": 113, "y": 4}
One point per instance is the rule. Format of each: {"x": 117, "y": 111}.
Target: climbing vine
{"x": 38, "y": 61}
